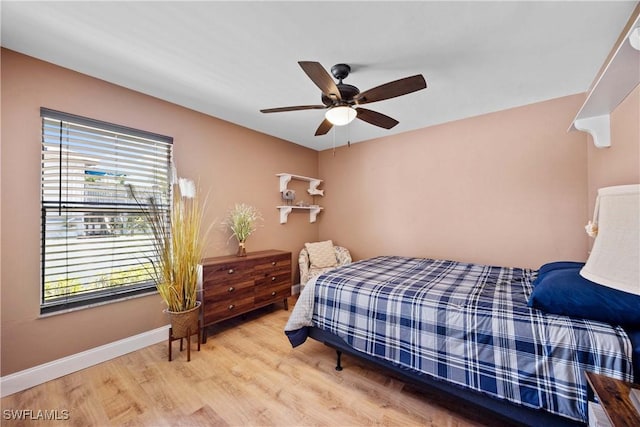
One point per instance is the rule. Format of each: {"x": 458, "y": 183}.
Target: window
{"x": 96, "y": 243}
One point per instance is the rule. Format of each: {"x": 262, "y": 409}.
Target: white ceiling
{"x": 231, "y": 59}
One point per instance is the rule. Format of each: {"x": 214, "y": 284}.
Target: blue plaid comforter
{"x": 469, "y": 325}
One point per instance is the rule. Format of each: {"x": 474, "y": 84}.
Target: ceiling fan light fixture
{"x": 341, "y": 115}
{"x": 634, "y": 38}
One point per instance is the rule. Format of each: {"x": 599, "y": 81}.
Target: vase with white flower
{"x": 242, "y": 220}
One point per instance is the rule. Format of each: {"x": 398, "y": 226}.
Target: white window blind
{"x": 96, "y": 243}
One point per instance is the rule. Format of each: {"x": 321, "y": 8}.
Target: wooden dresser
{"x": 614, "y": 406}
{"x": 235, "y": 285}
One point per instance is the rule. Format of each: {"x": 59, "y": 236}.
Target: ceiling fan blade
{"x": 295, "y": 108}
{"x": 375, "y": 118}
{"x": 324, "y": 127}
{"x": 392, "y": 89}
{"x": 321, "y": 78}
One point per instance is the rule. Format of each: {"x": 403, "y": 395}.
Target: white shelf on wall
{"x": 313, "y": 190}
{"x": 286, "y": 210}
{"x": 619, "y": 77}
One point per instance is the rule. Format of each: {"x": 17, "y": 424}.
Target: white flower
{"x": 592, "y": 229}
{"x": 174, "y": 174}
{"x": 187, "y": 188}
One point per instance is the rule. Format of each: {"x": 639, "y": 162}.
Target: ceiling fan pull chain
{"x": 334, "y": 141}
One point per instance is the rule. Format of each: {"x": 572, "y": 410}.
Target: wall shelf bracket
{"x": 313, "y": 188}
{"x": 284, "y": 181}
{"x": 313, "y": 213}
{"x": 598, "y": 127}
{"x": 284, "y": 213}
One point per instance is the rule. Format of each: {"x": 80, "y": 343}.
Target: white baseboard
{"x": 28, "y": 378}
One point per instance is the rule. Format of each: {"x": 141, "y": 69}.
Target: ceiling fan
{"x": 342, "y": 101}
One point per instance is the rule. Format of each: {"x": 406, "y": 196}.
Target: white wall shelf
{"x": 619, "y": 77}
{"x": 286, "y": 210}
{"x": 313, "y": 190}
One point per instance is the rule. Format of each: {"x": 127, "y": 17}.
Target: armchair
{"x": 310, "y": 269}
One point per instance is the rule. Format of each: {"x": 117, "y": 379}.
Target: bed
{"x": 465, "y": 329}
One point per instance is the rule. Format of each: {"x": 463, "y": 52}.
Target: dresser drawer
{"x": 273, "y": 293}
{"x": 227, "y": 289}
{"x": 274, "y": 279}
{"x": 227, "y": 272}
{"x": 217, "y": 308}
{"x": 273, "y": 264}
{"x": 219, "y": 311}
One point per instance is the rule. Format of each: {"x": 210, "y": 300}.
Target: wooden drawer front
{"x": 219, "y": 307}
{"x": 227, "y": 289}
{"x": 273, "y": 264}
{"x": 274, "y": 270}
{"x": 269, "y": 294}
{"x": 218, "y": 312}
{"x": 274, "y": 279}
{"x": 227, "y": 272}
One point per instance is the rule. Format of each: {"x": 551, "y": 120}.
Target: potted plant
{"x": 242, "y": 220}
{"x": 177, "y": 250}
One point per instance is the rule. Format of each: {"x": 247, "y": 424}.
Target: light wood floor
{"x": 246, "y": 374}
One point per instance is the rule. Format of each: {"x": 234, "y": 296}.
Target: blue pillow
{"x": 565, "y": 292}
{"x": 557, "y": 265}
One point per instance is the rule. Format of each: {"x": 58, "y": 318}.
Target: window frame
{"x": 104, "y": 293}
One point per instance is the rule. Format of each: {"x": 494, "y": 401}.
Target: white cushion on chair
{"x": 321, "y": 254}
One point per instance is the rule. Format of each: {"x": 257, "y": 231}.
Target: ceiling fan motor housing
{"x": 347, "y": 93}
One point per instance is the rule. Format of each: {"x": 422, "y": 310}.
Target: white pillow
{"x": 321, "y": 254}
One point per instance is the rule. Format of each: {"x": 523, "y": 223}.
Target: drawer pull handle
{"x": 231, "y": 307}
{"x": 273, "y": 278}
{"x": 231, "y": 289}
{"x": 273, "y": 263}
{"x": 273, "y": 294}
{"x": 230, "y": 271}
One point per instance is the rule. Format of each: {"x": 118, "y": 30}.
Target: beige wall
{"x": 620, "y": 163}
{"x": 232, "y": 164}
{"x": 507, "y": 188}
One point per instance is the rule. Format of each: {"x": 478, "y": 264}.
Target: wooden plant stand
{"x": 188, "y": 338}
